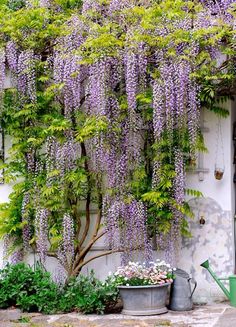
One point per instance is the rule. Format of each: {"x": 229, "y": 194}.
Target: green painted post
{"x": 232, "y": 288}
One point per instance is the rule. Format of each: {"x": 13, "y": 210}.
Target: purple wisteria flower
{"x": 41, "y": 228}
{"x": 16, "y": 257}
{"x": 2, "y": 70}
{"x": 12, "y": 56}
{"x": 26, "y": 233}
{"x": 66, "y": 249}
{"x": 8, "y": 256}
{"x": 125, "y": 222}
{"x": 26, "y": 75}
{"x": 45, "y": 3}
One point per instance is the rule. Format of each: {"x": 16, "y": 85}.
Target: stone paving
{"x": 217, "y": 315}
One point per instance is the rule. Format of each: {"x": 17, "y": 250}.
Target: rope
{"x": 219, "y": 146}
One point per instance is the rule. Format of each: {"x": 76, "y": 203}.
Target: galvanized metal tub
{"x": 144, "y": 300}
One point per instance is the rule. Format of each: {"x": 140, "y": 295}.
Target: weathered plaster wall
{"x": 215, "y": 239}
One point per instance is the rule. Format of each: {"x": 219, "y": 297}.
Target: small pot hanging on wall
{"x": 219, "y": 172}
{"x": 219, "y": 159}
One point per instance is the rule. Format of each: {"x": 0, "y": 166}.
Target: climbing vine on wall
{"x": 103, "y": 111}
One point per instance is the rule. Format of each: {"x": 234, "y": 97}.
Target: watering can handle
{"x": 195, "y": 285}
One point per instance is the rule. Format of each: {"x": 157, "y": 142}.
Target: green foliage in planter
{"x": 28, "y": 289}
{"x": 89, "y": 295}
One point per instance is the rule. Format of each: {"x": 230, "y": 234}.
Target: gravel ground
{"x": 217, "y": 315}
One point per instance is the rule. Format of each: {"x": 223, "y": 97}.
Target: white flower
{"x": 154, "y": 273}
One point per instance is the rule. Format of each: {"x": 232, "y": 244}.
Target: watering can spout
{"x": 206, "y": 265}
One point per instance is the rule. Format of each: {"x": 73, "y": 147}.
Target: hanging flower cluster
{"x": 45, "y": 3}
{"x": 41, "y": 226}
{"x": 2, "y": 70}
{"x": 67, "y": 71}
{"x": 126, "y": 227}
{"x": 61, "y": 156}
{"x": 26, "y": 75}
{"x": 66, "y": 249}
{"x": 175, "y": 99}
{"x": 26, "y": 233}
{"x": 16, "y": 256}
{"x": 12, "y": 56}
{"x": 219, "y": 6}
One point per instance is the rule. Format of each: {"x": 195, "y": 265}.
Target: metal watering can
{"x": 181, "y": 292}
{"x": 231, "y": 293}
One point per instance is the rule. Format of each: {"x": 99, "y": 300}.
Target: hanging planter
{"x": 219, "y": 172}
{"x": 219, "y": 159}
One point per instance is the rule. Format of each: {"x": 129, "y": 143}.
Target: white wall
{"x": 215, "y": 239}
{"x": 5, "y": 189}
{"x": 221, "y": 190}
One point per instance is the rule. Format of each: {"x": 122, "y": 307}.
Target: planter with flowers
{"x": 143, "y": 288}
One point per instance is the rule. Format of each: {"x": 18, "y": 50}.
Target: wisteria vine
{"x": 111, "y": 102}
